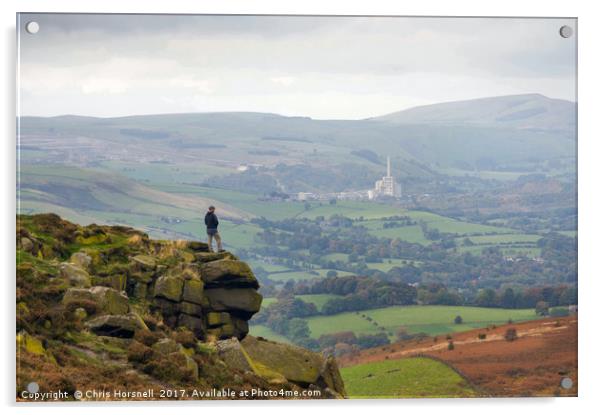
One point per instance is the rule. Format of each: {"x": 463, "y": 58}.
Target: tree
{"x": 332, "y": 273}
{"x": 559, "y": 312}
{"x": 486, "y": 298}
{"x": 542, "y": 308}
{"x": 366, "y": 341}
{"x": 402, "y": 334}
{"x": 298, "y": 329}
{"x": 458, "y": 320}
{"x": 511, "y": 335}
{"x": 508, "y": 299}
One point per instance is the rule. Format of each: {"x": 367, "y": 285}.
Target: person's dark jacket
{"x": 211, "y": 220}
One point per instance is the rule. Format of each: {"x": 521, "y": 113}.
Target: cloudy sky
{"x": 322, "y": 67}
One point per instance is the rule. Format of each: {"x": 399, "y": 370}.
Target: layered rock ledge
{"x": 174, "y": 310}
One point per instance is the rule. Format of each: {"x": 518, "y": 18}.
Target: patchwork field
{"x": 318, "y": 299}
{"x": 412, "y": 233}
{"x": 387, "y": 264}
{"x": 432, "y": 320}
{"x": 283, "y": 277}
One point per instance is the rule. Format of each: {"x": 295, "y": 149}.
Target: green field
{"x": 237, "y": 235}
{"x": 387, "y": 264}
{"x": 335, "y": 257}
{"x": 318, "y": 299}
{"x": 412, "y": 234}
{"x": 268, "y": 267}
{"x": 352, "y": 209}
{"x": 166, "y": 173}
{"x": 340, "y": 273}
{"x": 267, "y": 301}
{"x": 417, "y": 377}
{"x": 432, "y": 320}
{"x": 259, "y": 330}
{"x": 510, "y": 250}
{"x": 450, "y": 225}
{"x": 282, "y": 277}
{"x": 503, "y": 239}
{"x": 246, "y": 201}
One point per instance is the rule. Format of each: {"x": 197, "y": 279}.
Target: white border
{"x": 590, "y": 207}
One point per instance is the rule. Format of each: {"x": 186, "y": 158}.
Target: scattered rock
{"x": 106, "y": 300}
{"x": 26, "y": 244}
{"x": 330, "y": 376}
{"x": 75, "y": 275}
{"x": 242, "y": 301}
{"x": 169, "y": 288}
{"x": 166, "y": 346}
{"x": 140, "y": 290}
{"x": 232, "y": 353}
{"x": 167, "y": 307}
{"x": 191, "y": 308}
{"x": 144, "y": 262}
{"x": 217, "y": 319}
{"x": 195, "y": 324}
{"x": 197, "y": 246}
{"x": 227, "y": 272}
{"x": 193, "y": 291}
{"x": 213, "y": 256}
{"x": 117, "y": 325}
{"x": 81, "y": 259}
{"x": 298, "y": 365}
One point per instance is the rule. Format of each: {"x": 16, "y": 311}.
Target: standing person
{"x": 211, "y": 222}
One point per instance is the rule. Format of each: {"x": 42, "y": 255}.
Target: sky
{"x": 320, "y": 67}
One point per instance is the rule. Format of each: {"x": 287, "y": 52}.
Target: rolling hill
{"x": 530, "y": 111}
{"x": 87, "y": 196}
{"x": 515, "y": 131}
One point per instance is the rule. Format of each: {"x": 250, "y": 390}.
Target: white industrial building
{"x": 387, "y": 186}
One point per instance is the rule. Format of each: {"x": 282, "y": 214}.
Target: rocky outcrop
{"x": 75, "y": 275}
{"x": 214, "y": 299}
{"x": 117, "y": 325}
{"x": 281, "y": 363}
{"x": 171, "y": 311}
{"x": 97, "y": 300}
{"x": 212, "y": 294}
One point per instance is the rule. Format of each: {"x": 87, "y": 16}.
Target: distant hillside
{"x": 513, "y": 133}
{"x": 530, "y": 111}
{"x": 87, "y": 195}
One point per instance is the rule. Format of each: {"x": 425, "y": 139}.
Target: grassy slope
{"x": 404, "y": 378}
{"x": 259, "y": 330}
{"x": 318, "y": 299}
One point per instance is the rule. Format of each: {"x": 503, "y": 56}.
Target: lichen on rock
{"x": 104, "y": 299}
{"x": 178, "y": 314}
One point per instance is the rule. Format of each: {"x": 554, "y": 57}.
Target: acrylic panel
{"x": 295, "y": 207}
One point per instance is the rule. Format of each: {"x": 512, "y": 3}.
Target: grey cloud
{"x": 96, "y": 63}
